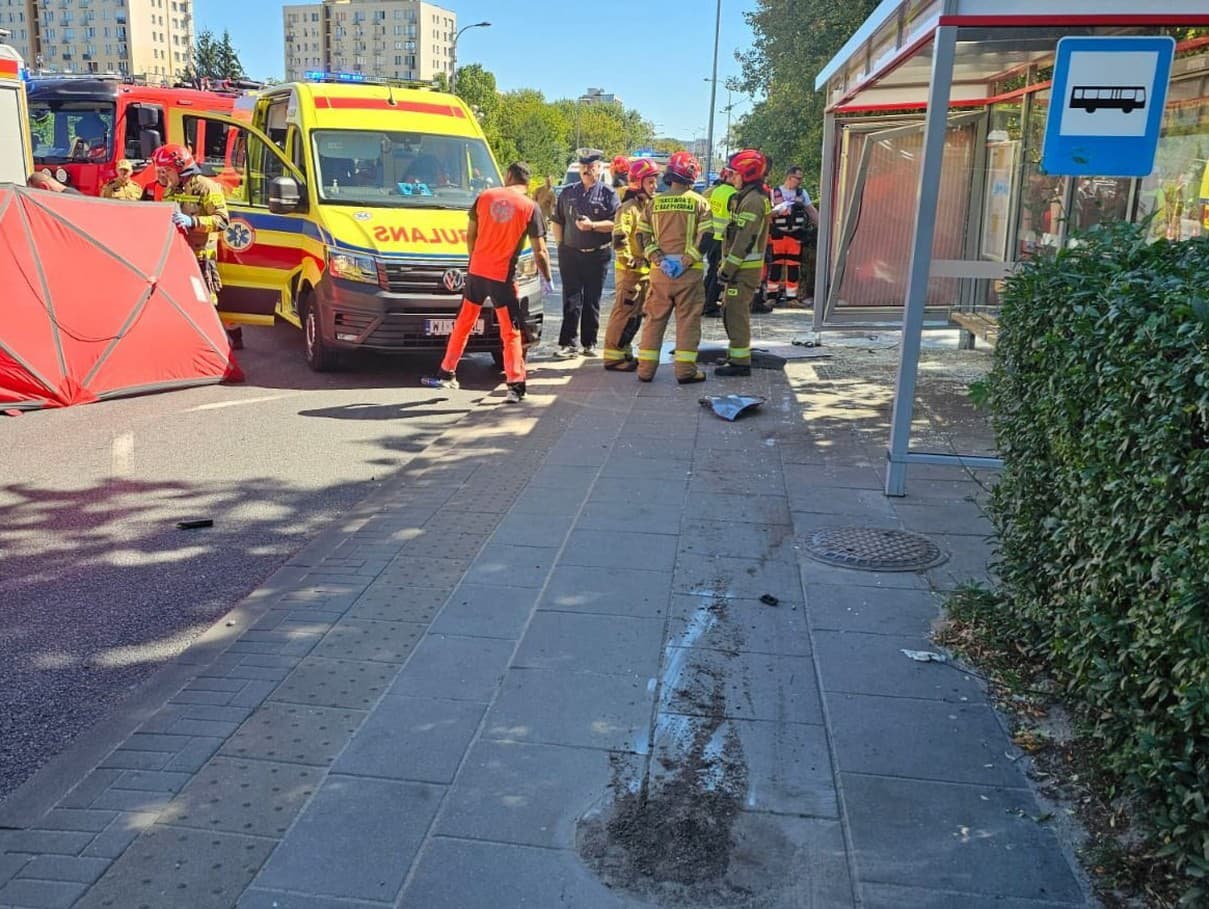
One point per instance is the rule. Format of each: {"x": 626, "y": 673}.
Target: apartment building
{"x": 399, "y": 39}
{"x": 152, "y": 38}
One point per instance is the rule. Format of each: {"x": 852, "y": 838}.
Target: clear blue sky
{"x": 658, "y": 66}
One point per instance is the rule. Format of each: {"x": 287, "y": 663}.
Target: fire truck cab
{"x": 83, "y": 125}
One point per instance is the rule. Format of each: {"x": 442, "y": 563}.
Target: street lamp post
{"x": 453, "y": 53}
{"x": 713, "y": 92}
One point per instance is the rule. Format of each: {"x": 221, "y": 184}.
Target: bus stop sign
{"x": 1106, "y": 106}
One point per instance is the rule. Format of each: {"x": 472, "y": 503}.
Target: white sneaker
{"x": 513, "y": 397}
{"x": 589, "y": 350}
{"x": 441, "y": 380}
{"x": 567, "y": 352}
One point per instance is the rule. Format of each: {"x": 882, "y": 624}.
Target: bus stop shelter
{"x": 932, "y": 188}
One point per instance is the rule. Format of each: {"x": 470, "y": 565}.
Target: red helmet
{"x": 620, "y": 165}
{"x": 173, "y": 157}
{"x": 640, "y": 169}
{"x": 684, "y": 166}
{"x": 725, "y": 173}
{"x": 750, "y": 164}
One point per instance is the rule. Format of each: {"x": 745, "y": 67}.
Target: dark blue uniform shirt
{"x": 599, "y": 203}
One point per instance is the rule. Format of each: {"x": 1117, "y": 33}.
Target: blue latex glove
{"x": 547, "y": 287}
{"x": 672, "y": 266}
{"x": 183, "y": 221}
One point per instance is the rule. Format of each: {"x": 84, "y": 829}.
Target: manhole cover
{"x": 874, "y": 549}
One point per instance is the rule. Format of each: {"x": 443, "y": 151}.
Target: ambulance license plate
{"x": 445, "y": 327}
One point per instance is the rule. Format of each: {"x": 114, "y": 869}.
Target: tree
{"x": 476, "y": 86}
{"x": 794, "y": 40}
{"x": 214, "y": 59}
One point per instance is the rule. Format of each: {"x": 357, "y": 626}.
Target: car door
{"x": 262, "y": 252}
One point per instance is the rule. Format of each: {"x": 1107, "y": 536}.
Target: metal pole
{"x": 916, "y": 298}
{"x": 713, "y": 93}
{"x": 826, "y": 207}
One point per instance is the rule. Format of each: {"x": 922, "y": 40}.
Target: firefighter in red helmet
{"x": 620, "y": 169}
{"x": 675, "y": 225}
{"x": 633, "y": 270}
{"x": 201, "y": 214}
{"x": 743, "y": 257}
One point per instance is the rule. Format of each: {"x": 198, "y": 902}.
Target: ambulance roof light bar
{"x": 362, "y": 79}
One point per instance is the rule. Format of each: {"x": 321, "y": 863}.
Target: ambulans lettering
{"x": 438, "y": 235}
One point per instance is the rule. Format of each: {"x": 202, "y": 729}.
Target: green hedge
{"x": 1099, "y": 398}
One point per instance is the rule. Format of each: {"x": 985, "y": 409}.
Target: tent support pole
{"x": 944, "y": 46}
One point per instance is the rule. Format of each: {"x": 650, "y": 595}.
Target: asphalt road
{"x": 98, "y": 587}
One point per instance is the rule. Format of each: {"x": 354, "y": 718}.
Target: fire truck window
{"x": 149, "y": 125}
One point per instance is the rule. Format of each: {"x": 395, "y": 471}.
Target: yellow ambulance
{"x": 15, "y": 161}
{"x": 348, "y": 204}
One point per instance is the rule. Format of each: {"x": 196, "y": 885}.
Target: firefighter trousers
{"x": 685, "y": 297}
{"x": 786, "y": 265}
{"x": 736, "y": 315}
{"x": 625, "y": 317}
{"x": 510, "y": 335}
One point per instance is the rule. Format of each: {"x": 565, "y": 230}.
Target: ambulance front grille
{"x": 427, "y": 277}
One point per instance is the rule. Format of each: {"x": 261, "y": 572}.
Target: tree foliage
{"x": 794, "y": 40}
{"x": 214, "y": 58}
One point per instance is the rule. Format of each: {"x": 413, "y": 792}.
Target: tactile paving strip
{"x": 874, "y": 549}
{"x": 355, "y": 639}
{"x": 335, "y": 683}
{"x": 386, "y": 601}
{"x": 291, "y": 732}
{"x": 254, "y": 798}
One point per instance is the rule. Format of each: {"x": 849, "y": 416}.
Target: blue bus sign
{"x": 1106, "y": 106}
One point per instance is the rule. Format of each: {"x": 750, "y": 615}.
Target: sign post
{"x": 1106, "y": 106}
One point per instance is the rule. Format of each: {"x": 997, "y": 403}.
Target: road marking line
{"x": 219, "y": 405}
{"x": 120, "y": 454}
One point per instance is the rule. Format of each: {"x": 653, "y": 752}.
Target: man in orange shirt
{"x": 500, "y": 220}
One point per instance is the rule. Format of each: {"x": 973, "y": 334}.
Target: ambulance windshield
{"x": 404, "y": 170}
{"x": 66, "y": 132}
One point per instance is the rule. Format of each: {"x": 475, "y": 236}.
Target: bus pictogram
{"x": 1124, "y": 98}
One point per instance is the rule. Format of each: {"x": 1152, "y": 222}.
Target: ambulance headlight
{"x": 353, "y": 268}
{"x": 526, "y": 268}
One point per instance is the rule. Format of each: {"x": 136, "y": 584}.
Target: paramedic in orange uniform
{"x": 500, "y": 220}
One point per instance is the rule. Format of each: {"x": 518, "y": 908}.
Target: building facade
{"x": 150, "y": 38}
{"x": 398, "y": 39}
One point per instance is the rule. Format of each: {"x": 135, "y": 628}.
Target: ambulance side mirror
{"x": 285, "y": 196}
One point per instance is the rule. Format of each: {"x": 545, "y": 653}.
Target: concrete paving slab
{"x": 738, "y": 578}
{"x": 447, "y": 544}
{"x": 737, "y": 626}
{"x": 888, "y": 896}
{"x": 424, "y": 571}
{"x": 609, "y": 549}
{"x": 515, "y": 792}
{"x": 294, "y": 733}
{"x": 745, "y": 686}
{"x": 523, "y": 530}
{"x": 321, "y": 682}
{"x": 742, "y": 509}
{"x": 40, "y": 894}
{"x": 251, "y": 798}
{"x": 65, "y": 868}
{"x": 668, "y": 490}
{"x": 818, "y": 573}
{"x": 857, "y": 663}
{"x": 577, "y": 588}
{"x": 894, "y": 611}
{"x": 952, "y": 836}
{"x": 893, "y": 736}
{"x": 412, "y": 739}
{"x": 361, "y": 639}
{"x": 968, "y": 562}
{"x": 572, "y": 708}
{"x": 964, "y": 518}
{"x": 477, "y": 610}
{"x": 455, "y": 668}
{"x": 626, "y": 464}
{"x": 381, "y": 824}
{"x": 621, "y": 516}
{"x": 609, "y": 644}
{"x": 385, "y": 601}
{"x": 176, "y": 867}
{"x": 706, "y": 481}
{"x": 774, "y": 542}
{"x": 542, "y": 507}
{"x": 803, "y": 478}
{"x": 257, "y": 898}
{"x": 469, "y": 874}
{"x": 509, "y": 565}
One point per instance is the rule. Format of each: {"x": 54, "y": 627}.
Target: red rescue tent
{"x": 99, "y": 299}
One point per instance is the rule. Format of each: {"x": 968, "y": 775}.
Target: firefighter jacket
{"x": 719, "y": 204}
{"x": 746, "y": 233}
{"x": 131, "y": 192}
{"x": 202, "y": 198}
{"x": 630, "y": 254}
{"x": 675, "y": 223}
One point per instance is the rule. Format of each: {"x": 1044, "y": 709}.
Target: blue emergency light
{"x": 320, "y": 76}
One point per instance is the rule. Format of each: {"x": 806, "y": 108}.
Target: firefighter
{"x": 743, "y": 262}
{"x": 791, "y": 207}
{"x": 201, "y": 214}
{"x": 121, "y": 186}
{"x": 632, "y": 269}
{"x": 719, "y": 198}
{"x": 675, "y": 225}
{"x": 620, "y": 168}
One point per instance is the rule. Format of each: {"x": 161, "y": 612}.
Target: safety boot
{"x": 696, "y": 377}
{"x": 621, "y": 365}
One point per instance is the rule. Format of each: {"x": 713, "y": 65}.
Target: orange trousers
{"x": 514, "y": 352}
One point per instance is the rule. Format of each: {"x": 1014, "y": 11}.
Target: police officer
{"x": 633, "y": 270}
{"x": 121, "y": 186}
{"x": 582, "y": 227}
{"x": 201, "y": 214}
{"x": 676, "y": 224}
{"x": 719, "y": 198}
{"x": 743, "y": 248}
